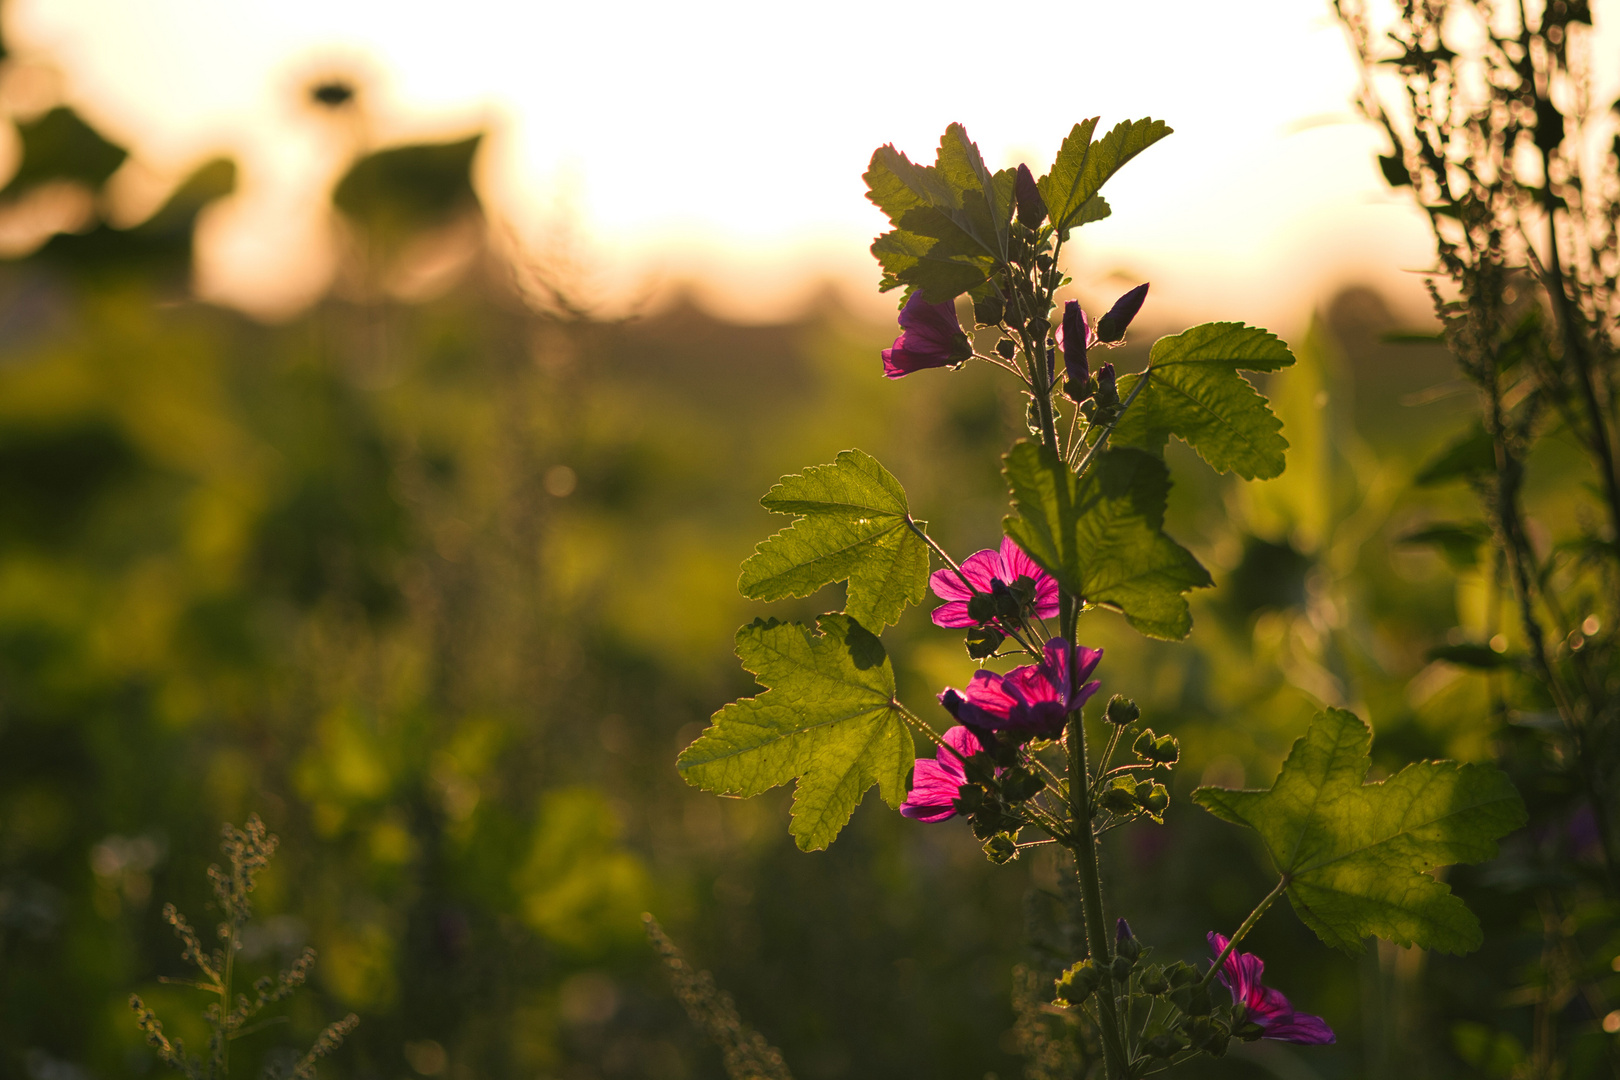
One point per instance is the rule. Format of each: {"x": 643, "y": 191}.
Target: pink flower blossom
{"x": 1262, "y": 1005}
{"x": 930, "y": 337}
{"x": 983, "y": 569}
{"x": 1028, "y": 702}
{"x": 936, "y": 784}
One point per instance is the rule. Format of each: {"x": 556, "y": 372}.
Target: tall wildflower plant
{"x": 1019, "y": 757}
{"x": 1494, "y": 130}
{"x": 235, "y": 1014}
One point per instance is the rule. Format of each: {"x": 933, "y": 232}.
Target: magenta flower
{"x": 929, "y": 337}
{"x": 1265, "y": 1007}
{"x": 984, "y": 569}
{"x": 936, "y": 784}
{"x": 1028, "y": 702}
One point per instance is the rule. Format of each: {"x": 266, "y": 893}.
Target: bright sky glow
{"x": 724, "y": 141}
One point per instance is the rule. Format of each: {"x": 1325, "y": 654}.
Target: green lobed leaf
{"x": 1196, "y": 394}
{"x": 942, "y": 269}
{"x": 1356, "y": 855}
{"x": 853, "y": 527}
{"x": 828, "y": 719}
{"x": 1102, "y": 535}
{"x": 951, "y": 218}
{"x": 1082, "y": 167}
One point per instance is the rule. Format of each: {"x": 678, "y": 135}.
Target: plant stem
{"x": 1575, "y": 352}
{"x": 1248, "y": 924}
{"x": 1109, "y": 430}
{"x": 1083, "y": 846}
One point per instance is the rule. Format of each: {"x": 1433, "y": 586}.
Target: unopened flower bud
{"x": 1249, "y": 1031}
{"x": 989, "y": 309}
{"x": 1107, "y": 388}
{"x": 1125, "y": 943}
{"x": 1006, "y": 601}
{"x": 1019, "y": 784}
{"x": 1192, "y": 999}
{"x": 1121, "y": 711}
{"x": 1120, "y": 968}
{"x": 1161, "y": 750}
{"x": 1023, "y": 587}
{"x": 1076, "y": 339}
{"x": 983, "y": 641}
{"x": 1079, "y": 982}
{"x": 990, "y": 819}
{"x": 1111, "y": 327}
{"x": 1207, "y": 1034}
{"x": 969, "y": 797}
{"x": 1119, "y": 797}
{"x": 980, "y": 768}
{"x": 1156, "y": 801}
{"x": 1001, "y": 849}
{"x": 1006, "y": 349}
{"x": 1181, "y": 974}
{"x": 1163, "y": 1045}
{"x": 1031, "y": 207}
{"x": 1152, "y": 980}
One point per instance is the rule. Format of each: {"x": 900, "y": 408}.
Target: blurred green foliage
{"x": 440, "y": 586}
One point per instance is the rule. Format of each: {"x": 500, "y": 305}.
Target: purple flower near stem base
{"x": 1263, "y": 1006}
{"x": 984, "y": 569}
{"x": 930, "y": 337}
{"x": 1030, "y": 702}
{"x": 936, "y": 784}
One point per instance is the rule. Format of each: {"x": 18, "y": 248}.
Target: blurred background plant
{"x": 236, "y": 1015}
{"x": 437, "y": 576}
{"x": 1497, "y": 131}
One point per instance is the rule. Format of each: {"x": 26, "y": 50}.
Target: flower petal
{"x": 953, "y": 616}
{"x": 1301, "y": 1028}
{"x": 982, "y": 568}
{"x": 948, "y": 586}
{"x": 963, "y": 741}
{"x": 1015, "y": 563}
{"x": 988, "y": 691}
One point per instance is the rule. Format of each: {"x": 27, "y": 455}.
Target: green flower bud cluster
{"x": 1077, "y": 984}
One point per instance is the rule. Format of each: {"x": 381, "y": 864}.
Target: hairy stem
{"x": 1102, "y": 439}
{"x": 1243, "y": 931}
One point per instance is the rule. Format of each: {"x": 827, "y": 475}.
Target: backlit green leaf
{"x": 1196, "y": 394}
{"x": 1082, "y": 167}
{"x": 828, "y": 718}
{"x": 1102, "y": 535}
{"x": 1356, "y": 856}
{"x": 950, "y": 218}
{"x": 853, "y": 528}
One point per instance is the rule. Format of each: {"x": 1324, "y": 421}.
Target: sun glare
{"x": 722, "y": 144}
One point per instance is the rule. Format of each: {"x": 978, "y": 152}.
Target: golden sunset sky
{"x": 722, "y": 143}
